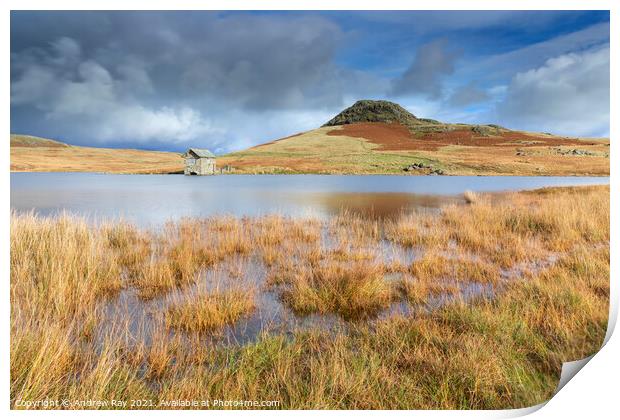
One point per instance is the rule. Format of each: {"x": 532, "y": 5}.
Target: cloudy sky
{"x": 229, "y": 80}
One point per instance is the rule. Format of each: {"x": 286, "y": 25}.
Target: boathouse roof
{"x": 200, "y": 153}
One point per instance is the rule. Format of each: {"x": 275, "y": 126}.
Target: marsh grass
{"x": 154, "y": 278}
{"x": 352, "y": 291}
{"x": 433, "y": 267}
{"x": 487, "y": 353}
{"x": 470, "y": 197}
{"x": 64, "y": 266}
{"x": 420, "y": 290}
{"x": 212, "y": 311}
{"x": 417, "y": 229}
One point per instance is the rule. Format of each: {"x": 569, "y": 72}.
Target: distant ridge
{"x": 22, "y": 140}
{"x": 36, "y": 154}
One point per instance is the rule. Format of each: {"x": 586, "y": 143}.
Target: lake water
{"x": 153, "y": 199}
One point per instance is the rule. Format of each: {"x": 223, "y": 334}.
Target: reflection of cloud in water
{"x": 373, "y": 205}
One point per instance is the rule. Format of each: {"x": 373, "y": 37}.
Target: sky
{"x": 230, "y": 80}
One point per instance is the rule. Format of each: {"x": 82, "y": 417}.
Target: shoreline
{"x": 314, "y": 173}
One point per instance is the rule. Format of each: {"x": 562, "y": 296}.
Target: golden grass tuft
{"x": 418, "y": 291}
{"x": 60, "y": 265}
{"x": 211, "y": 311}
{"x": 357, "y": 290}
{"x": 435, "y": 267}
{"x": 417, "y": 230}
{"x": 154, "y": 278}
{"x": 470, "y": 197}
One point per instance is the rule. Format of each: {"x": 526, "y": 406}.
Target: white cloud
{"x": 174, "y": 125}
{"x": 497, "y": 67}
{"x": 219, "y": 81}
{"x": 567, "y": 95}
{"x": 262, "y": 127}
{"x": 67, "y": 49}
{"x": 35, "y": 83}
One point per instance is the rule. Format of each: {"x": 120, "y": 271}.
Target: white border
{"x": 591, "y": 393}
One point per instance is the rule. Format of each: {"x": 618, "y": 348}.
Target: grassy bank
{"x": 541, "y": 257}
{"x": 34, "y": 154}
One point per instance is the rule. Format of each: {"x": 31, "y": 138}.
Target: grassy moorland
{"x": 376, "y": 148}
{"x": 475, "y": 306}
{"x": 34, "y": 154}
{"x": 381, "y": 137}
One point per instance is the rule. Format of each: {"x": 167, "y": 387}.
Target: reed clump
{"x": 154, "y": 278}
{"x": 211, "y": 312}
{"x": 470, "y": 197}
{"x": 419, "y": 291}
{"x": 417, "y": 230}
{"x": 523, "y": 227}
{"x": 353, "y": 291}
{"x": 130, "y": 246}
{"x": 60, "y": 266}
{"x": 433, "y": 267}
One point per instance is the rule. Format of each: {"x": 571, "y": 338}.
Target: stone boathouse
{"x": 199, "y": 162}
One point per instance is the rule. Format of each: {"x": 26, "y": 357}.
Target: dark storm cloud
{"x": 257, "y": 61}
{"x": 167, "y": 77}
{"x": 264, "y": 63}
{"x": 432, "y": 63}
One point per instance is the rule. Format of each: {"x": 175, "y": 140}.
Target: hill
{"x": 381, "y": 137}
{"x": 36, "y": 154}
{"x": 20, "y": 140}
{"x": 375, "y": 111}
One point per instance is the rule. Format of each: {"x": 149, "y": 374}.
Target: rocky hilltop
{"x": 376, "y": 111}
{"x": 370, "y": 111}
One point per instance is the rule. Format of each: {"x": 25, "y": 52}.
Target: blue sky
{"x": 230, "y": 80}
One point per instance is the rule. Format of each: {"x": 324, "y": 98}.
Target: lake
{"x": 153, "y": 199}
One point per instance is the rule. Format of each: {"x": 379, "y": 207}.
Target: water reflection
{"x": 154, "y": 199}
{"x": 376, "y": 205}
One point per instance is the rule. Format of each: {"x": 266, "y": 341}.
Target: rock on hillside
{"x": 376, "y": 111}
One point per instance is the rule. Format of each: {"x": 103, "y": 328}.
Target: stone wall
{"x": 199, "y": 166}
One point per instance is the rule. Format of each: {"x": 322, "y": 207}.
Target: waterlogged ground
{"x": 473, "y": 303}
{"x": 145, "y": 317}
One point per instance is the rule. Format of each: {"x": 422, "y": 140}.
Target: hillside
{"x": 19, "y": 140}
{"x": 382, "y": 137}
{"x": 36, "y": 154}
